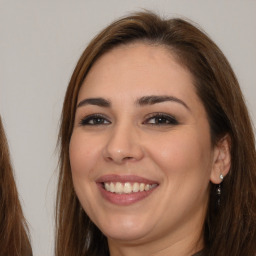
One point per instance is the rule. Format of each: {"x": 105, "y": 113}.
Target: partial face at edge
{"x": 140, "y": 121}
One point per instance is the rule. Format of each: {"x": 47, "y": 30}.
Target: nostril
{"x": 122, "y": 153}
{"x": 120, "y": 159}
{"x": 127, "y": 158}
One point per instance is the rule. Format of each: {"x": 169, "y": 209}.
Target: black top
{"x": 198, "y": 254}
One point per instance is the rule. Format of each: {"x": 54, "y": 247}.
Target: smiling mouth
{"x": 127, "y": 187}
{"x": 124, "y": 190}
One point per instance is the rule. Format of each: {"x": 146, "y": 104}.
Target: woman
{"x": 13, "y": 228}
{"x": 157, "y": 149}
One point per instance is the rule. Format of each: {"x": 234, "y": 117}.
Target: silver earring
{"x": 218, "y": 190}
{"x": 218, "y": 194}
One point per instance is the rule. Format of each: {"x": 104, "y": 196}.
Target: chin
{"x": 126, "y": 230}
{"x": 125, "y": 235}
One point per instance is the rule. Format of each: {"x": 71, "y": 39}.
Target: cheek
{"x": 183, "y": 153}
{"x": 83, "y": 158}
{"x": 185, "y": 161}
{"x": 83, "y": 155}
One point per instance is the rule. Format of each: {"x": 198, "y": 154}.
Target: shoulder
{"x": 199, "y": 254}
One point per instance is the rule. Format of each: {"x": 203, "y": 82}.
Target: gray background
{"x": 40, "y": 42}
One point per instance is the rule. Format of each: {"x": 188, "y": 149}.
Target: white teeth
{"x": 127, "y": 187}
{"x": 107, "y": 186}
{"x": 152, "y": 186}
{"x": 119, "y": 187}
{"x": 112, "y": 187}
{"x": 142, "y": 186}
{"x": 136, "y": 187}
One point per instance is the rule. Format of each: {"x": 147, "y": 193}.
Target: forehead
{"x": 136, "y": 69}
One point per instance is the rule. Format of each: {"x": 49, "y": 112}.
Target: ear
{"x": 221, "y": 160}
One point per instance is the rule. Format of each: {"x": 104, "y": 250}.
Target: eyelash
{"x": 168, "y": 119}
{"x": 92, "y": 118}
{"x": 160, "y": 119}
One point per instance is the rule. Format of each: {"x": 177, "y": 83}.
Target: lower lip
{"x": 124, "y": 199}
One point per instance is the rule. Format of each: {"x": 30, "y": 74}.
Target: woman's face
{"x": 140, "y": 152}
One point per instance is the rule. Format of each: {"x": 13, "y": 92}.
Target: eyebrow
{"x": 143, "y": 101}
{"x": 151, "y": 100}
{"x": 94, "y": 101}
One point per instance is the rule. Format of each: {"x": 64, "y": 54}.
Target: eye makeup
{"x": 94, "y": 120}
{"x": 161, "y": 119}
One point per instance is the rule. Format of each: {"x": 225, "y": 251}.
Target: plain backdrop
{"x": 40, "y": 42}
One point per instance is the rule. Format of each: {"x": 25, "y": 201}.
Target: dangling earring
{"x": 218, "y": 190}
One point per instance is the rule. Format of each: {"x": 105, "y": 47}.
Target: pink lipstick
{"x": 125, "y": 189}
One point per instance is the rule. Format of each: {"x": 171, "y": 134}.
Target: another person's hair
{"x": 14, "y": 238}
{"x": 229, "y": 229}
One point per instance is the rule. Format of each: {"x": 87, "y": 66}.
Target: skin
{"x": 130, "y": 140}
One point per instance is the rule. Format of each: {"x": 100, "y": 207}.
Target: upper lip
{"x": 124, "y": 178}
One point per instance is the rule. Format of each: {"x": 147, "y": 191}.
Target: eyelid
{"x": 87, "y": 118}
{"x": 172, "y": 119}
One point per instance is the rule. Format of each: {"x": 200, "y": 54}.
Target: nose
{"x": 123, "y": 144}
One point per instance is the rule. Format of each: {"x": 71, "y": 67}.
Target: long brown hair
{"x": 230, "y": 229}
{"x": 14, "y": 239}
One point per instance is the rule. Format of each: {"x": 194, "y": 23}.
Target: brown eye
{"x": 94, "y": 120}
{"x": 161, "y": 119}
